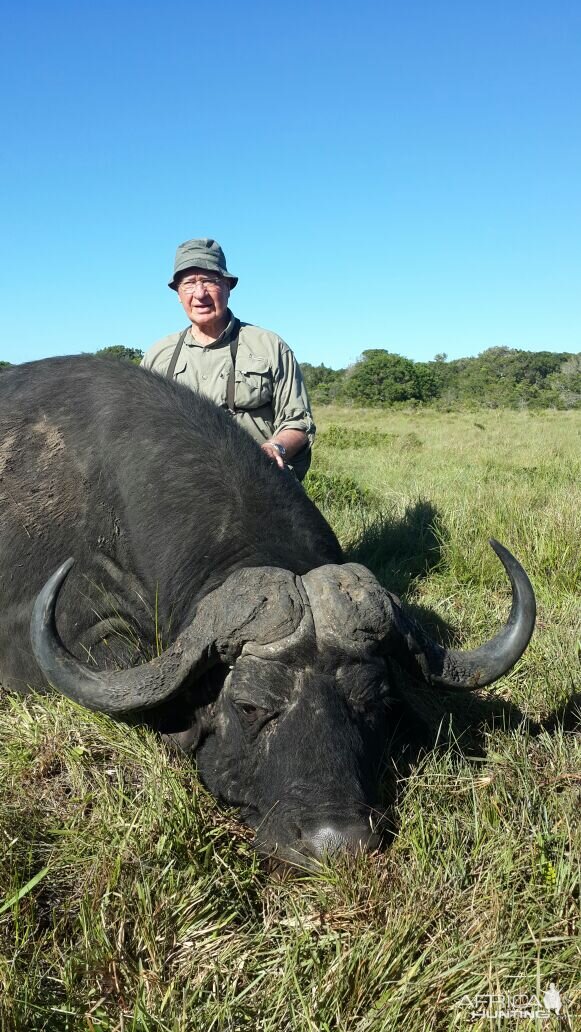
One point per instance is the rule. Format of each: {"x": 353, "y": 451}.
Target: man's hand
{"x": 274, "y": 452}
{"x": 288, "y": 442}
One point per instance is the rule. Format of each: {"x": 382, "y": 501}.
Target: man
{"x": 242, "y": 367}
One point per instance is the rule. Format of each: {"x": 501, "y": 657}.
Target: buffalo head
{"x": 289, "y": 691}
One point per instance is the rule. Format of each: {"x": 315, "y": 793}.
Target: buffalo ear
{"x": 186, "y": 719}
{"x": 186, "y": 741}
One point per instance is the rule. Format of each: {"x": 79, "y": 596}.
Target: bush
{"x": 380, "y": 377}
{"x": 335, "y": 490}
{"x": 119, "y": 351}
{"x": 497, "y": 378}
{"x": 345, "y": 437}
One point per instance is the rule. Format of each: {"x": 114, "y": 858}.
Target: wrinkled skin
{"x": 319, "y": 731}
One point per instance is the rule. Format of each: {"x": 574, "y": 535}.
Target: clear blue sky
{"x": 405, "y": 176}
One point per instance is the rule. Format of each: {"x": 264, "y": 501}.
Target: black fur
{"x": 154, "y": 490}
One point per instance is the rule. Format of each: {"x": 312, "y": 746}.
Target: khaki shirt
{"x": 269, "y": 390}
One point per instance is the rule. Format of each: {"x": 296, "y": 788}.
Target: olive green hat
{"x": 201, "y": 254}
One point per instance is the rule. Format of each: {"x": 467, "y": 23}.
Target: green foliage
{"x": 498, "y": 378}
{"x": 315, "y": 375}
{"x": 323, "y": 384}
{"x": 4, "y": 366}
{"x": 411, "y": 442}
{"x": 380, "y": 377}
{"x": 336, "y": 436}
{"x": 334, "y": 490}
{"x": 506, "y": 377}
{"x": 431, "y": 378}
{"x": 119, "y": 351}
{"x": 566, "y": 381}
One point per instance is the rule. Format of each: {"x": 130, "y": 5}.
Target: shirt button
{"x": 204, "y": 377}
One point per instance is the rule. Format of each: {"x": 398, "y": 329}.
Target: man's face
{"x": 204, "y": 297}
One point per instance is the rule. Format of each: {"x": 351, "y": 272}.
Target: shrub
{"x": 346, "y": 437}
{"x": 335, "y": 490}
{"x": 380, "y": 377}
{"x": 119, "y": 351}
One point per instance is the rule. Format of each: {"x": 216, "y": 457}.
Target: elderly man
{"x": 243, "y": 368}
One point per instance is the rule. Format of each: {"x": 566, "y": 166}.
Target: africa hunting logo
{"x": 513, "y": 1005}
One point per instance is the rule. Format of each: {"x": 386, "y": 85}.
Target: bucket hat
{"x": 201, "y": 254}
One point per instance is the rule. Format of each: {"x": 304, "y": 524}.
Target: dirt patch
{"x": 7, "y": 446}
{"x": 51, "y": 434}
{"x": 38, "y": 484}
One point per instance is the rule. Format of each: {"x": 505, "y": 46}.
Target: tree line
{"x": 498, "y": 378}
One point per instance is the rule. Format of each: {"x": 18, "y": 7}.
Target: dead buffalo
{"x": 166, "y": 523}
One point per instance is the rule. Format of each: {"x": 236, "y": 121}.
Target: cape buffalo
{"x": 165, "y": 523}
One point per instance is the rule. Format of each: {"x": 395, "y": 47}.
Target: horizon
{"x": 437, "y": 358}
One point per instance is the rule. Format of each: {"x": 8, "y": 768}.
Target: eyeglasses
{"x": 188, "y": 286}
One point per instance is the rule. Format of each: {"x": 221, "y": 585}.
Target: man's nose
{"x": 199, "y": 289}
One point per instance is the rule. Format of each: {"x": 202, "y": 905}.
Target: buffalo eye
{"x": 255, "y": 717}
{"x": 249, "y": 710}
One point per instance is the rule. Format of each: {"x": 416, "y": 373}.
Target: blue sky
{"x": 404, "y": 176}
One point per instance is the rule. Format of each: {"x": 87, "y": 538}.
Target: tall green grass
{"x": 128, "y": 900}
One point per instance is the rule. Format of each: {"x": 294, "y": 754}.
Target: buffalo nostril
{"x": 330, "y": 841}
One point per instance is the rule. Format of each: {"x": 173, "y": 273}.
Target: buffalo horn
{"x": 350, "y": 608}
{"x": 258, "y": 605}
{"x": 296, "y": 628}
{"x": 354, "y": 614}
{"x": 409, "y": 644}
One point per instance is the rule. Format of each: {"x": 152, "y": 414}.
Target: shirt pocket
{"x": 253, "y": 383}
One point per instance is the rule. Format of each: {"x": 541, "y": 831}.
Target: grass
{"x": 128, "y": 901}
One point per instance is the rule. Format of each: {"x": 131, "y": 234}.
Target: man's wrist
{"x": 280, "y": 448}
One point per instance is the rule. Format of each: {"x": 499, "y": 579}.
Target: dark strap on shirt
{"x": 231, "y": 385}
{"x": 174, "y": 358}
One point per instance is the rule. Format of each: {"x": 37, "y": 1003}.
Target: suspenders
{"x": 301, "y": 461}
{"x": 231, "y": 385}
{"x": 174, "y": 358}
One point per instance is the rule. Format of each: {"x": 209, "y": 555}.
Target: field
{"x": 128, "y": 901}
